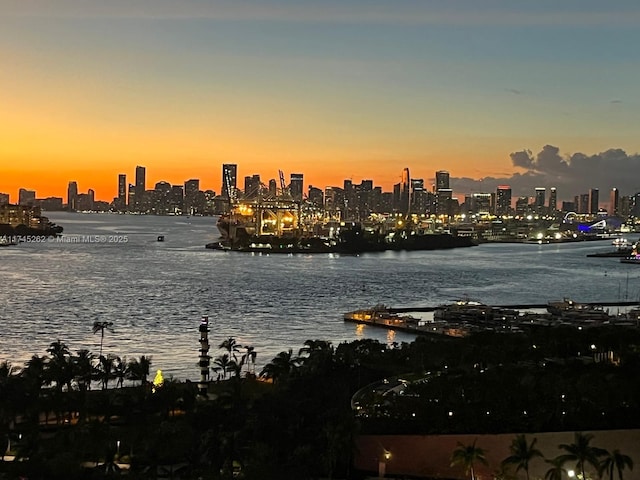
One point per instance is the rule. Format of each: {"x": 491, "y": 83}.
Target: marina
{"x": 464, "y": 317}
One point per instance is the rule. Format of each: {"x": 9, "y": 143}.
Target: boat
{"x": 381, "y": 314}
{"x": 567, "y": 309}
{"x": 633, "y": 258}
{"x": 471, "y": 311}
{"x": 622, "y": 248}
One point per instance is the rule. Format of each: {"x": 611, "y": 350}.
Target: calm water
{"x": 156, "y": 292}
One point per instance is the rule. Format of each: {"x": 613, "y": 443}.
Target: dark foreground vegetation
{"x": 76, "y": 415}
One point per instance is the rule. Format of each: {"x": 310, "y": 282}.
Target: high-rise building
{"x": 539, "y": 199}
{"x": 273, "y": 187}
{"x": 26, "y": 197}
{"x": 594, "y": 200}
{"x": 252, "y": 186}
{"x": 72, "y": 196}
{"x": 503, "y": 200}
{"x": 4, "y": 199}
{"x": 296, "y": 186}
{"x": 442, "y": 179}
{"x": 229, "y": 180}
{"x": 444, "y": 201}
{"x": 191, "y": 194}
{"x": 553, "y": 200}
{"x": 405, "y": 192}
{"x": 140, "y": 187}
{"x": 614, "y": 202}
{"x": 122, "y": 191}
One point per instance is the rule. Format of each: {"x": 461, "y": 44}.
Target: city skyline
{"x": 493, "y": 92}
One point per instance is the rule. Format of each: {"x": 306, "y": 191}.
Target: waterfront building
{"x": 176, "y": 201}
{"x": 121, "y": 199}
{"x": 405, "y": 192}
{"x": 296, "y": 186}
{"x": 161, "y": 198}
{"x": 522, "y": 206}
{"x": 140, "y": 188}
{"x": 539, "y": 200}
{"x": 85, "y": 201}
{"x": 72, "y": 196}
{"x": 4, "y": 199}
{"x": 229, "y": 181}
{"x": 51, "y": 204}
{"x": 614, "y": 202}
{"x": 132, "y": 197}
{"x": 26, "y": 197}
{"x": 193, "y": 201}
{"x": 503, "y": 200}
{"x": 568, "y": 206}
{"x": 481, "y": 203}
{"x": 594, "y": 205}
{"x": 444, "y": 202}
{"x": 26, "y": 215}
{"x": 334, "y": 203}
{"x": 553, "y": 200}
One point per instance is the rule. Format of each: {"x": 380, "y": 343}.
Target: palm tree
{"x": 120, "y": 370}
{"x": 249, "y": 358}
{"x": 105, "y": 370}
{"x": 59, "y": 367}
{"x": 101, "y": 327}
{"x": 467, "y": 456}
{"x": 222, "y": 363}
{"x": 556, "y": 471}
{"x": 615, "y": 461}
{"x": 231, "y": 346}
{"x": 582, "y": 453}
{"x": 522, "y": 453}
{"x": 281, "y": 366}
{"x": 138, "y": 369}
{"x": 83, "y": 368}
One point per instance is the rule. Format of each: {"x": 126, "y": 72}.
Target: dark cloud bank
{"x": 571, "y": 175}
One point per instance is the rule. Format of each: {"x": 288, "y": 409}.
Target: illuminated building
{"x": 553, "y": 200}
{"x": 405, "y": 192}
{"x": 204, "y": 357}
{"x": 229, "y": 180}
{"x": 503, "y": 200}
{"x": 539, "y": 199}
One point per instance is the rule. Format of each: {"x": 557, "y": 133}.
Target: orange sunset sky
{"x": 91, "y": 89}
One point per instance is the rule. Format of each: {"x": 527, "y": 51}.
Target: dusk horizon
{"x": 494, "y": 93}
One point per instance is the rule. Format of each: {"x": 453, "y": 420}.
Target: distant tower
{"x": 614, "y": 202}
{"x": 229, "y": 180}
{"x": 203, "y": 384}
{"x": 405, "y": 191}
{"x": 503, "y": 200}
{"x": 296, "y": 186}
{"x": 122, "y": 191}
{"x": 141, "y": 174}
{"x": 72, "y": 196}
{"x": 553, "y": 200}
{"x": 538, "y": 204}
{"x": 594, "y": 200}
{"x": 442, "y": 179}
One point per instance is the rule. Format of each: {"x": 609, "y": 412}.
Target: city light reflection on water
{"x": 156, "y": 292}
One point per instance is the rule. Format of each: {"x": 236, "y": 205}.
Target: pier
{"x": 462, "y": 318}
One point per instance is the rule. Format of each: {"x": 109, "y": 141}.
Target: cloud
{"x": 571, "y": 174}
{"x": 615, "y": 101}
{"x": 515, "y": 91}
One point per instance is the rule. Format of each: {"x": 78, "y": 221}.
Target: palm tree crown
{"x": 522, "y": 453}
{"x": 467, "y": 456}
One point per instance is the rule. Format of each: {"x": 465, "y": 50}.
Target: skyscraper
{"x": 405, "y": 191}
{"x": 594, "y": 200}
{"x": 296, "y": 186}
{"x": 614, "y": 202}
{"x": 539, "y": 200}
{"x": 140, "y": 186}
{"x": 229, "y": 180}
{"x": 553, "y": 200}
{"x": 72, "y": 196}
{"x": 442, "y": 179}
{"x": 122, "y": 191}
{"x": 503, "y": 200}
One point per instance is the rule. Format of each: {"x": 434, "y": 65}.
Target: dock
{"x": 462, "y": 318}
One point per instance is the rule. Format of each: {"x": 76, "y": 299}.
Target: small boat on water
{"x": 567, "y": 309}
{"x": 380, "y": 314}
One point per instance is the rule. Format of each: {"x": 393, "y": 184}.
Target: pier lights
{"x": 203, "y": 363}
